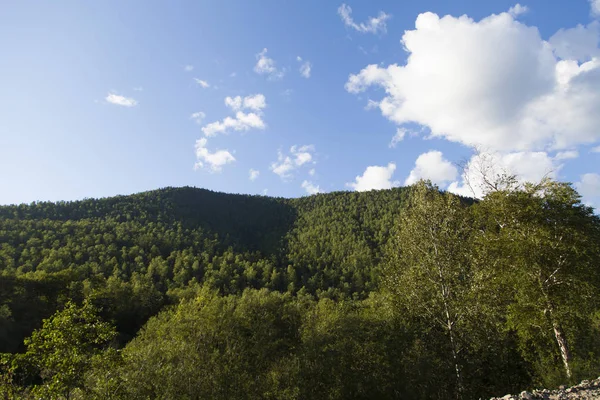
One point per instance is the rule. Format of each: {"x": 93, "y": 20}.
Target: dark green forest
{"x": 407, "y": 293}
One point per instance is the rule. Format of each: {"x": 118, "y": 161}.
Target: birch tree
{"x": 542, "y": 243}
{"x": 429, "y": 271}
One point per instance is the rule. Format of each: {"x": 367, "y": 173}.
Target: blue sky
{"x": 112, "y": 97}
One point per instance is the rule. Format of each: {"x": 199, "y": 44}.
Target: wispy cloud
{"x": 202, "y": 83}
{"x": 266, "y": 66}
{"x": 373, "y": 24}
{"x": 299, "y": 156}
{"x": 566, "y": 155}
{"x": 188, "y": 68}
{"x": 305, "y": 68}
{"x": 198, "y": 117}
{"x": 253, "y": 174}
{"x": 310, "y": 187}
{"x": 398, "y": 137}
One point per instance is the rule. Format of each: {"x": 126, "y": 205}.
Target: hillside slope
{"x": 151, "y": 247}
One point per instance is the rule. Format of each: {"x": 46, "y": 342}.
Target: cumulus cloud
{"x": 517, "y": 10}
{"x": 310, "y": 187}
{"x": 374, "y": 177}
{"x": 398, "y": 137}
{"x": 255, "y": 102}
{"x": 121, "y": 100}
{"x": 432, "y": 166}
{"x": 243, "y": 121}
{"x": 493, "y": 83}
{"x": 526, "y": 166}
{"x": 266, "y": 66}
{"x": 253, "y": 174}
{"x": 595, "y": 7}
{"x": 198, "y": 117}
{"x": 372, "y": 25}
{"x": 202, "y": 83}
{"x": 589, "y": 189}
{"x": 579, "y": 43}
{"x": 298, "y": 156}
{"x": 213, "y": 161}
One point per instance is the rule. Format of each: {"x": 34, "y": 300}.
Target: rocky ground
{"x": 585, "y": 390}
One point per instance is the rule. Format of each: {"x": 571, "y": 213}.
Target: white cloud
{"x": 579, "y": 43}
{"x": 596, "y": 149}
{"x": 213, "y": 161}
{"x": 374, "y": 177}
{"x": 299, "y": 156}
{"x": 371, "y": 105}
{"x": 242, "y": 121}
{"x": 266, "y": 66}
{"x": 373, "y": 24}
{"x": 188, "y": 68}
{"x": 595, "y": 7}
{"x": 198, "y": 117}
{"x": 517, "y": 10}
{"x": 493, "y": 83}
{"x": 589, "y": 189}
{"x": 305, "y": 68}
{"x": 526, "y": 166}
{"x": 253, "y": 174}
{"x": 310, "y": 187}
{"x": 202, "y": 83}
{"x": 398, "y": 137}
{"x": 235, "y": 103}
{"x": 255, "y": 102}
{"x": 432, "y": 166}
{"x": 566, "y": 155}
{"x": 312, "y": 172}
{"x": 121, "y": 100}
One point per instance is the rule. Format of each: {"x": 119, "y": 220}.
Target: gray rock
{"x": 526, "y": 396}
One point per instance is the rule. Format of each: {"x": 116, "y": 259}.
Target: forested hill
{"x": 407, "y": 293}
{"x": 152, "y": 246}
{"x": 246, "y": 222}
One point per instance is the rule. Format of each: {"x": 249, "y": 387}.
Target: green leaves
{"x": 543, "y": 245}
{"x": 62, "y": 350}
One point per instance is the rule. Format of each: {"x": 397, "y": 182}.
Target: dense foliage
{"x": 401, "y": 293}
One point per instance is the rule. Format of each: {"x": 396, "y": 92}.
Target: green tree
{"x": 542, "y": 243}
{"x": 63, "y": 348}
{"x": 428, "y": 273}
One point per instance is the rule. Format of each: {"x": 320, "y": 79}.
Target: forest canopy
{"x": 406, "y": 293}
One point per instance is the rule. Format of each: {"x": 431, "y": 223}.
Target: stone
{"x": 526, "y": 396}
